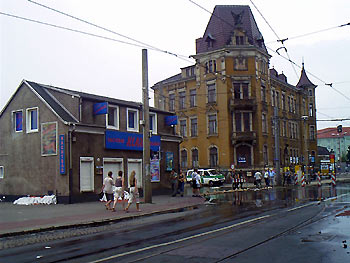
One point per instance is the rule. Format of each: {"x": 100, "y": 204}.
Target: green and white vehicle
{"x": 208, "y": 177}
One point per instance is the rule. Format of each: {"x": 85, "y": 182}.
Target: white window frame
{"x": 2, "y": 172}
{"x": 193, "y": 135}
{"x": 116, "y": 117}
{"x": 28, "y": 120}
{"x": 185, "y": 133}
{"x": 181, "y": 151}
{"x": 154, "y": 129}
{"x": 92, "y": 186}
{"x": 136, "y": 129}
{"x": 14, "y": 120}
{"x": 216, "y": 131}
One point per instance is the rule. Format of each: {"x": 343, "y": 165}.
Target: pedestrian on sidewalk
{"x": 257, "y": 177}
{"x": 241, "y": 179}
{"x": 266, "y": 177}
{"x": 272, "y": 177}
{"x": 107, "y": 188}
{"x": 119, "y": 190}
{"x": 134, "y": 192}
{"x": 196, "y": 183}
{"x": 181, "y": 183}
{"x": 235, "y": 181}
{"x": 173, "y": 179}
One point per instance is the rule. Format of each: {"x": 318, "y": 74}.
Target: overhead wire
{"x": 111, "y": 31}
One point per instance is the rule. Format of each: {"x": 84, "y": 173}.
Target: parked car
{"x": 208, "y": 177}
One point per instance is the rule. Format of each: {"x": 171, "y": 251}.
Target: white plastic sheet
{"x": 36, "y": 200}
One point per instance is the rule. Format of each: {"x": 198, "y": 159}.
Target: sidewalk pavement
{"x": 19, "y": 219}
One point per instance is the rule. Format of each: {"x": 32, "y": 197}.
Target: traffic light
{"x": 339, "y": 128}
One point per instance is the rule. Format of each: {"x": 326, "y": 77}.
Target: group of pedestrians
{"x": 177, "y": 183}
{"x": 269, "y": 178}
{"x": 237, "y": 179}
{"x": 113, "y": 194}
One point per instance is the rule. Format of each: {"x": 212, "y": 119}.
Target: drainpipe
{"x": 70, "y": 167}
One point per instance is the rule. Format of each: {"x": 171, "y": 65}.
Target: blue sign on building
{"x": 101, "y": 108}
{"x": 170, "y": 120}
{"x": 129, "y": 141}
{"x": 62, "y": 153}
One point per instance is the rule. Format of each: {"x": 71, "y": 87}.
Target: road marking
{"x": 180, "y": 240}
{"x": 298, "y": 207}
{"x": 335, "y": 197}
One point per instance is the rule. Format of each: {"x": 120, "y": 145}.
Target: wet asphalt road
{"x": 285, "y": 225}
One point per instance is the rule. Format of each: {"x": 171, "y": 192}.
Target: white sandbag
{"x": 35, "y": 200}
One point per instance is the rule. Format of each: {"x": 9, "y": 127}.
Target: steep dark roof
{"x": 43, "y": 93}
{"x": 304, "y": 81}
{"x": 224, "y": 20}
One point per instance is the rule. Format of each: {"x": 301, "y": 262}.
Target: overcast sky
{"x": 85, "y": 63}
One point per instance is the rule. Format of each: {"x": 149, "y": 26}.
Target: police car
{"x": 208, "y": 177}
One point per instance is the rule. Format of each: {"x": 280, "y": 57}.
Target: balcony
{"x": 246, "y": 136}
{"x": 243, "y": 104}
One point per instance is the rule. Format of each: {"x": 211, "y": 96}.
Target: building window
{"x": 18, "y": 121}
{"x": 153, "y": 122}
{"x": 265, "y": 155}
{"x": 284, "y": 129}
{"x": 183, "y": 128}
{"x": 132, "y": 120}
{"x": 311, "y": 110}
{"x": 241, "y": 90}
{"x": 238, "y": 121}
{"x": 2, "y": 172}
{"x": 272, "y": 98}
{"x": 263, "y": 93}
{"x": 283, "y": 100}
{"x": 194, "y": 127}
{"x": 310, "y": 93}
{"x": 312, "y": 132}
{"x": 112, "y": 118}
{"x": 264, "y": 124}
{"x": 304, "y": 107}
{"x": 211, "y": 93}
{"x": 183, "y": 158}
{"x": 277, "y": 104}
{"x": 32, "y": 120}
{"x": 172, "y": 102}
{"x": 213, "y": 157}
{"x": 182, "y": 100}
{"x": 195, "y": 158}
{"x": 210, "y": 66}
{"x": 193, "y": 94}
{"x": 239, "y": 40}
{"x": 212, "y": 124}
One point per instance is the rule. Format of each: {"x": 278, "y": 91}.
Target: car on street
{"x": 208, "y": 177}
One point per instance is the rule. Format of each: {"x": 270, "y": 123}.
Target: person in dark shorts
{"x": 107, "y": 188}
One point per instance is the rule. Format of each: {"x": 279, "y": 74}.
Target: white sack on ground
{"x": 35, "y": 200}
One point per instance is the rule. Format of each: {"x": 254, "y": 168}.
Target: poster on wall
{"x": 49, "y": 138}
{"x": 155, "y": 174}
{"x": 169, "y": 161}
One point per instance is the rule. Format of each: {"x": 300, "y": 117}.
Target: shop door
{"x": 114, "y": 165}
{"x": 135, "y": 165}
{"x": 86, "y": 174}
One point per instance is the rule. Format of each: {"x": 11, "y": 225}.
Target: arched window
{"x": 183, "y": 158}
{"x": 213, "y": 157}
{"x": 195, "y": 158}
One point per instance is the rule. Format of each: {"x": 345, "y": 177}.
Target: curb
{"x": 100, "y": 222}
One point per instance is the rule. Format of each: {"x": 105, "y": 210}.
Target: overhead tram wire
{"x": 183, "y": 57}
{"x": 278, "y": 38}
{"x": 311, "y": 33}
{"x": 71, "y": 29}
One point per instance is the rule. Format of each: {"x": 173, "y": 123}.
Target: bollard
{"x": 333, "y": 179}
{"x": 318, "y": 179}
{"x": 303, "y": 180}
{"x": 296, "y": 179}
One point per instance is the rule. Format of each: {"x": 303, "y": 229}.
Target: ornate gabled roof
{"x": 304, "y": 81}
{"x": 224, "y": 20}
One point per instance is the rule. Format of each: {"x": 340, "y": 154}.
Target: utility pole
{"x": 147, "y": 187}
{"x": 277, "y": 147}
{"x": 306, "y": 158}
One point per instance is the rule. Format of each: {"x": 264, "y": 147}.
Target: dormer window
{"x": 210, "y": 40}
{"x": 239, "y": 40}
